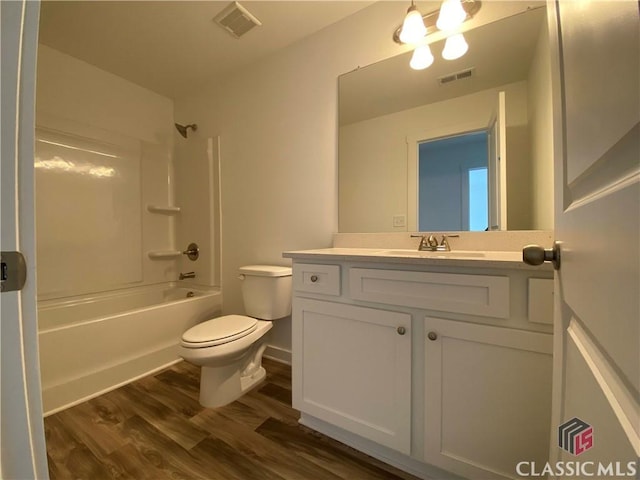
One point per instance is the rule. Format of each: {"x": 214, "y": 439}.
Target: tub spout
{"x": 187, "y": 275}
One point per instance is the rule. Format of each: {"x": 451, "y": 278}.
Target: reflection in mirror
{"x": 453, "y": 183}
{"x": 388, "y": 112}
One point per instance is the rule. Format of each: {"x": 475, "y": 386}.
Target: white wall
{"x": 277, "y": 122}
{"x": 93, "y": 233}
{"x": 73, "y": 89}
{"x": 541, "y": 123}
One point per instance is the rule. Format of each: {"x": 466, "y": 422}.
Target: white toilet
{"x": 229, "y": 349}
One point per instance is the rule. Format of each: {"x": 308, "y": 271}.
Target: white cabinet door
{"x": 352, "y": 368}
{"x": 487, "y": 398}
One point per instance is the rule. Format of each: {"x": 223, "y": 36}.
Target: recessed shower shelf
{"x": 164, "y": 254}
{"x": 163, "y": 209}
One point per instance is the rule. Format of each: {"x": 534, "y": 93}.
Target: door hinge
{"x": 13, "y": 271}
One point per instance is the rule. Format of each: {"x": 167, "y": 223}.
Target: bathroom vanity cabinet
{"x": 425, "y": 363}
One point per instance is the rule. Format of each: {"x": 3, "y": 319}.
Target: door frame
{"x": 22, "y": 434}
{"x": 413, "y": 144}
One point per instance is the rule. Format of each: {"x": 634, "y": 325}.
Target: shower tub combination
{"x": 94, "y": 343}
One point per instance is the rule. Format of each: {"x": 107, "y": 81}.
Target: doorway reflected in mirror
{"x": 453, "y": 183}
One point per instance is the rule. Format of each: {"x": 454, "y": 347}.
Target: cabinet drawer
{"x": 312, "y": 278}
{"x": 483, "y": 295}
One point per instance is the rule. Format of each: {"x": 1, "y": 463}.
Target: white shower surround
{"x": 106, "y": 150}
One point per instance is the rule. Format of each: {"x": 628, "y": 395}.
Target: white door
{"x": 22, "y": 432}
{"x": 498, "y": 165}
{"x": 597, "y": 312}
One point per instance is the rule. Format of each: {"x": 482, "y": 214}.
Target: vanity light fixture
{"x": 429, "y": 20}
{"x": 447, "y": 19}
{"x": 455, "y": 47}
{"x": 413, "y": 29}
{"x": 451, "y": 16}
{"x": 422, "y": 58}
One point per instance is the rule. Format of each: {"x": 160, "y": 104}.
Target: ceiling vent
{"x": 236, "y": 19}
{"x": 468, "y": 73}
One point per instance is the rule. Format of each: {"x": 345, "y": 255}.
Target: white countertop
{"x": 461, "y": 258}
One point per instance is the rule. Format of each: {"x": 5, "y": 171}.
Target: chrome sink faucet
{"x": 430, "y": 243}
{"x": 187, "y": 275}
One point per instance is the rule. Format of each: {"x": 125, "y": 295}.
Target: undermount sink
{"x": 431, "y": 254}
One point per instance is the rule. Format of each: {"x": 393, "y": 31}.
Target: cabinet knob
{"x": 432, "y": 336}
{"x": 401, "y": 330}
{"x": 314, "y": 278}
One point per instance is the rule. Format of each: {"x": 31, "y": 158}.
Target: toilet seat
{"x": 218, "y": 331}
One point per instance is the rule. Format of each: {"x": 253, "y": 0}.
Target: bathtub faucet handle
{"x": 187, "y": 275}
{"x": 192, "y": 252}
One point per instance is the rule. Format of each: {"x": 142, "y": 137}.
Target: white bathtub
{"x": 95, "y": 343}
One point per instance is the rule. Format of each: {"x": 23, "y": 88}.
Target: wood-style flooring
{"x": 155, "y": 429}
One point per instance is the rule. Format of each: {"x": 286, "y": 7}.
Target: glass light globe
{"x": 421, "y": 58}
{"x": 451, "y": 15}
{"x": 455, "y": 47}
{"x": 413, "y": 29}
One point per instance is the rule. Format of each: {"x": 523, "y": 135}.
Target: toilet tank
{"x": 266, "y": 291}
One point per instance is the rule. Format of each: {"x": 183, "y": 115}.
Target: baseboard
{"x": 278, "y": 354}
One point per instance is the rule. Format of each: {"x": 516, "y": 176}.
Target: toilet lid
{"x": 218, "y": 331}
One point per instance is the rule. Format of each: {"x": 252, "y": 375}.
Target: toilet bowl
{"x": 229, "y": 348}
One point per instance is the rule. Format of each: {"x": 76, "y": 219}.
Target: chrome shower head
{"x": 182, "y": 129}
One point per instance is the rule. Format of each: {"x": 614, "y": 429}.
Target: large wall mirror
{"x": 463, "y": 145}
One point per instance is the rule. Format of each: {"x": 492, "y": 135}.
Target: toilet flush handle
{"x": 241, "y": 277}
